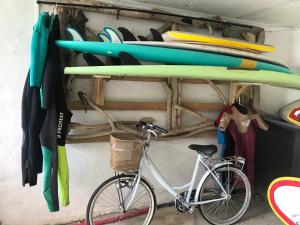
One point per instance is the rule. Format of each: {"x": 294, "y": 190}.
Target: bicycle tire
{"x": 110, "y": 181}
{"x": 246, "y": 201}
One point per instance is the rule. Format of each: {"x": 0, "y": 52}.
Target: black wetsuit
{"x": 49, "y": 116}
{"x": 32, "y": 119}
{"x": 58, "y": 116}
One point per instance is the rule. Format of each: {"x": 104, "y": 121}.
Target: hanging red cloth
{"x": 241, "y": 127}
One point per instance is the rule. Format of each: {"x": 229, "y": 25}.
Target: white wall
{"x": 287, "y": 44}
{"x": 89, "y": 163}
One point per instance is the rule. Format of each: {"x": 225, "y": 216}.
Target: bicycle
{"x": 222, "y": 196}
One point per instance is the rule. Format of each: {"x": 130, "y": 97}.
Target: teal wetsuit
{"x": 39, "y": 44}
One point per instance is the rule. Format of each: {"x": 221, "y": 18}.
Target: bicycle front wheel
{"x": 230, "y": 210}
{"x": 109, "y": 202}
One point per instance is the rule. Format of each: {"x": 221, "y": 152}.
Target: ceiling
{"x": 273, "y": 12}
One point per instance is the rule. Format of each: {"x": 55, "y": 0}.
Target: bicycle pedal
{"x": 180, "y": 204}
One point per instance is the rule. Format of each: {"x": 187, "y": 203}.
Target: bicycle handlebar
{"x": 160, "y": 129}
{"x": 152, "y": 127}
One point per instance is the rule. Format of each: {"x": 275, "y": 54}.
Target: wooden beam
{"x": 106, "y": 138}
{"x": 159, "y": 106}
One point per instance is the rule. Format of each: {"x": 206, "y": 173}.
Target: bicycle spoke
{"x": 229, "y": 210}
{"x": 107, "y": 207}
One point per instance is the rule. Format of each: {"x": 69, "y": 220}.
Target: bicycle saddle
{"x": 208, "y": 150}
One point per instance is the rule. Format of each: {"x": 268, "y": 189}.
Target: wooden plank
{"x": 159, "y": 106}
{"x": 97, "y": 90}
{"x": 76, "y": 105}
{"x": 107, "y": 138}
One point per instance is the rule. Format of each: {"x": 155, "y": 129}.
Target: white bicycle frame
{"x": 146, "y": 160}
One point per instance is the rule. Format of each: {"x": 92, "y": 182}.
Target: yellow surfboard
{"x": 211, "y": 40}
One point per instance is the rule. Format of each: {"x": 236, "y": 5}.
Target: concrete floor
{"x": 259, "y": 213}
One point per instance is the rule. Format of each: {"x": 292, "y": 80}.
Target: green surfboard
{"x": 199, "y": 72}
{"x": 169, "y": 55}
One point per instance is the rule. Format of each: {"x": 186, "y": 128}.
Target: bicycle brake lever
{"x": 152, "y": 132}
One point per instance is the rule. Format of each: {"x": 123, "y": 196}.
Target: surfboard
{"x": 112, "y": 36}
{"x": 169, "y": 55}
{"x": 212, "y": 40}
{"x": 199, "y": 72}
{"x": 283, "y": 197}
{"x": 291, "y": 113}
{"x": 208, "y": 48}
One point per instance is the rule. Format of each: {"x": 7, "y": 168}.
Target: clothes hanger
{"x": 54, "y": 12}
{"x": 240, "y": 107}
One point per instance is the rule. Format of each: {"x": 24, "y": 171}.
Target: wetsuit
{"x": 43, "y": 104}
{"x": 32, "y": 119}
{"x": 54, "y": 129}
{"x": 32, "y": 113}
{"x": 241, "y": 127}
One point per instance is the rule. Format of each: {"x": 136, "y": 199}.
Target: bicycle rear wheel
{"x": 227, "y": 211}
{"x": 108, "y": 203}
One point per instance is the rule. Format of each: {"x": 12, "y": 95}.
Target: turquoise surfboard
{"x": 196, "y": 72}
{"x": 169, "y": 55}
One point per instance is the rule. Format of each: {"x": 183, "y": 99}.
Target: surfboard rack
{"x": 174, "y": 107}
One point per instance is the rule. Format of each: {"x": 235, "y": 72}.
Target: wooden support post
{"x": 241, "y": 90}
{"x": 174, "y": 87}
{"x": 179, "y": 98}
{"x": 232, "y": 92}
{"x": 169, "y": 103}
{"x": 97, "y": 90}
{"x": 256, "y": 97}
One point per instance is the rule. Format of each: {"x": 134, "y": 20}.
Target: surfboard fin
{"x": 156, "y": 35}
{"x": 92, "y": 60}
{"x": 128, "y": 59}
{"x": 142, "y": 38}
{"x": 127, "y": 35}
{"x": 73, "y": 34}
{"x": 103, "y": 37}
{"x": 113, "y": 35}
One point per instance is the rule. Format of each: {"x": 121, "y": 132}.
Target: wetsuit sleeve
{"x": 224, "y": 121}
{"x": 259, "y": 122}
{"x": 218, "y": 119}
{"x": 39, "y": 44}
{"x": 63, "y": 176}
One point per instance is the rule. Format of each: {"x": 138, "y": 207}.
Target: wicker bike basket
{"x": 126, "y": 151}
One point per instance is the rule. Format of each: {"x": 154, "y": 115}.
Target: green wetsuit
{"x": 39, "y": 44}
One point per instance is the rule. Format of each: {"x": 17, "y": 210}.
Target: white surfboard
{"x": 208, "y": 48}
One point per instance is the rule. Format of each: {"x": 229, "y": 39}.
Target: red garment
{"x": 241, "y": 127}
